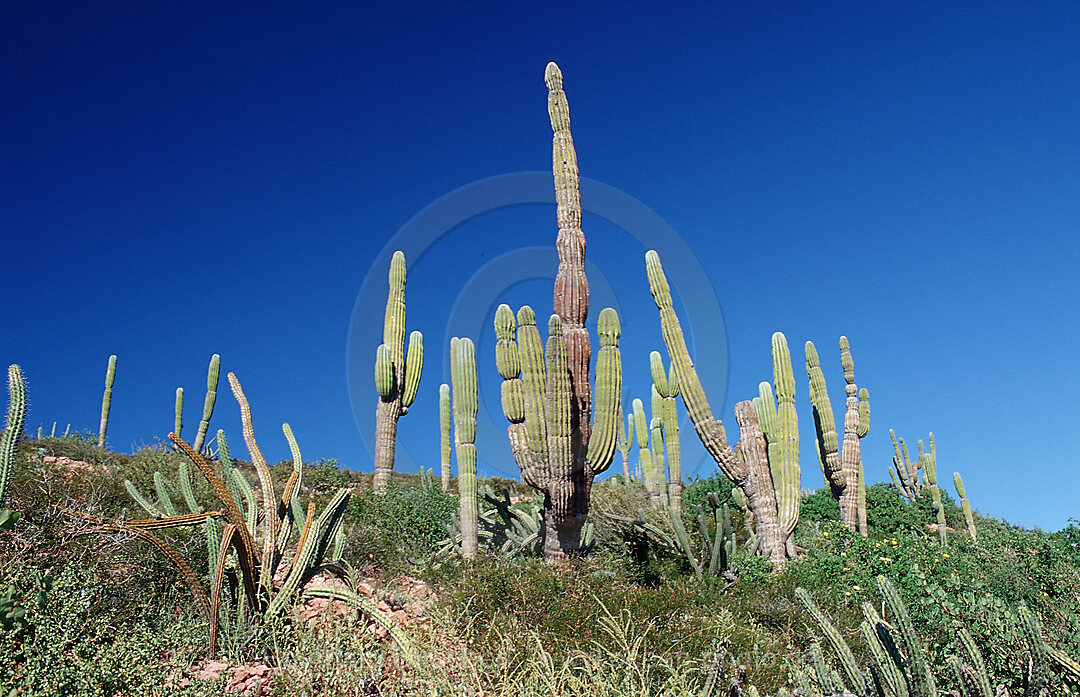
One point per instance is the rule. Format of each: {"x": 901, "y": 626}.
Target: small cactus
{"x": 212, "y": 375}
{"x": 178, "y": 422}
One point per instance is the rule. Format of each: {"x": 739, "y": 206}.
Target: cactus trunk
{"x": 463, "y": 373}
{"x": 13, "y": 427}
{"x": 212, "y": 375}
{"x": 444, "y": 435}
{"x": 106, "y": 400}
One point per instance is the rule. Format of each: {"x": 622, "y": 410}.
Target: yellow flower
{"x": 945, "y": 556}
{"x": 857, "y": 588}
{"x": 847, "y": 592}
{"x": 847, "y": 568}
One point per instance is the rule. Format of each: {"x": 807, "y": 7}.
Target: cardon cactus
{"x": 645, "y": 456}
{"x": 212, "y": 375}
{"x": 965, "y": 505}
{"x": 909, "y": 482}
{"x": 622, "y": 444}
{"x": 553, "y": 437}
{"x": 106, "y": 400}
{"x": 178, "y": 422}
{"x": 929, "y": 465}
{"x": 463, "y": 375}
{"x": 13, "y": 427}
{"x": 445, "y": 419}
{"x": 840, "y": 462}
{"x": 397, "y": 373}
{"x": 749, "y": 469}
{"x": 667, "y": 387}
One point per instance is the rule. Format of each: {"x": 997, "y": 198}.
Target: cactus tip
{"x": 553, "y": 76}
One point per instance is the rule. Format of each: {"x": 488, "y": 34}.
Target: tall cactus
{"x": 965, "y": 505}
{"x": 463, "y": 375}
{"x": 908, "y": 483}
{"x": 106, "y": 400}
{"x": 555, "y": 442}
{"x": 645, "y": 455}
{"x": 622, "y": 444}
{"x": 178, "y": 422}
{"x": 397, "y": 373}
{"x": 445, "y": 418}
{"x": 749, "y": 469}
{"x": 13, "y": 426}
{"x": 212, "y": 375}
{"x": 780, "y": 426}
{"x": 929, "y": 464}
{"x": 667, "y": 387}
{"x": 840, "y": 461}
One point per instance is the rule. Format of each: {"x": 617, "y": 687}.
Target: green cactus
{"x": 645, "y": 456}
{"x": 780, "y": 425}
{"x": 840, "y": 462}
{"x": 445, "y": 422}
{"x": 965, "y": 505}
{"x": 909, "y": 483}
{"x": 667, "y": 388}
{"x": 622, "y": 444}
{"x": 212, "y": 375}
{"x": 106, "y": 400}
{"x": 929, "y": 466}
{"x": 463, "y": 375}
{"x": 13, "y": 427}
{"x": 397, "y": 373}
{"x": 178, "y": 423}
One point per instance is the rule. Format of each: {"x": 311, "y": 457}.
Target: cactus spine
{"x": 749, "y": 469}
{"x": 397, "y": 373}
{"x": 106, "y": 400}
{"x": 463, "y": 375}
{"x": 840, "y": 462}
{"x": 178, "y": 423}
{"x": 445, "y": 419}
{"x": 667, "y": 387}
{"x": 212, "y": 375}
{"x": 13, "y": 426}
{"x": 555, "y": 441}
{"x": 965, "y": 505}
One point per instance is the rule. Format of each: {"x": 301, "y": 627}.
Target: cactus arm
{"x": 463, "y": 374}
{"x": 840, "y": 647}
{"x": 930, "y": 468}
{"x": 684, "y": 542}
{"x": 710, "y": 431}
{"x": 608, "y": 413}
{"x": 178, "y": 423}
{"x": 106, "y": 400}
{"x": 142, "y": 501}
{"x": 965, "y": 505}
{"x": 560, "y": 411}
{"x": 534, "y": 379}
{"x": 213, "y": 373}
{"x": 13, "y": 427}
{"x": 978, "y": 679}
{"x": 384, "y": 372}
{"x": 921, "y": 680}
{"x": 315, "y": 542}
{"x": 1037, "y": 651}
{"x": 901, "y": 465}
{"x": 851, "y": 449}
{"x": 164, "y": 500}
{"x": 414, "y": 365}
{"x": 297, "y": 465}
{"x": 824, "y": 421}
{"x": 666, "y": 386}
{"x": 623, "y": 445}
{"x": 444, "y": 435}
{"x": 183, "y": 476}
{"x": 659, "y": 475}
{"x": 784, "y": 457}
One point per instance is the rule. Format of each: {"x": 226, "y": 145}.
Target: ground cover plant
{"x": 183, "y": 569}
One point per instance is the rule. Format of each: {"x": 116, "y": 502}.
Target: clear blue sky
{"x": 179, "y": 180}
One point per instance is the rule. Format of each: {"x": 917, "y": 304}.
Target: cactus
{"x": 929, "y": 465}
{"x": 667, "y": 387}
{"x": 780, "y": 426}
{"x": 622, "y": 444}
{"x": 13, "y": 427}
{"x": 557, "y": 441}
{"x": 397, "y": 373}
{"x": 463, "y": 374}
{"x": 908, "y": 483}
{"x": 965, "y": 505}
{"x": 749, "y": 469}
{"x": 445, "y": 419}
{"x": 178, "y": 423}
{"x": 212, "y": 375}
{"x": 645, "y": 455}
{"x": 840, "y": 462}
{"x": 106, "y": 400}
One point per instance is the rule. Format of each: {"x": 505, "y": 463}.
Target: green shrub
{"x": 697, "y": 490}
{"x": 401, "y": 527}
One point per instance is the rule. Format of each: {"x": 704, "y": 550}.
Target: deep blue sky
{"x": 190, "y": 179}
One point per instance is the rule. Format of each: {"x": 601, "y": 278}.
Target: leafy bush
{"x": 696, "y": 492}
{"x": 400, "y": 527}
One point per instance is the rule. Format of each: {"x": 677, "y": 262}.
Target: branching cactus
{"x": 13, "y": 426}
{"x": 749, "y": 469}
{"x": 929, "y": 464}
{"x": 397, "y": 373}
{"x": 645, "y": 457}
{"x": 212, "y": 375}
{"x": 445, "y": 420}
{"x": 106, "y": 400}
{"x": 622, "y": 444}
{"x": 909, "y": 482}
{"x": 780, "y": 425}
{"x": 965, "y": 505}
{"x": 659, "y": 448}
{"x": 840, "y": 461}
{"x": 463, "y": 374}
{"x": 665, "y": 385}
{"x": 555, "y": 442}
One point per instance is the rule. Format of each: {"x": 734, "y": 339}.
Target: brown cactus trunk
{"x": 387, "y": 413}
{"x": 849, "y": 462}
{"x": 562, "y": 538}
{"x": 758, "y": 486}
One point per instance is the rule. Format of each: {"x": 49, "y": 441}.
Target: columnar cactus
{"x": 929, "y": 464}
{"x": 840, "y": 462}
{"x": 667, "y": 387}
{"x": 622, "y": 444}
{"x": 178, "y": 423}
{"x": 645, "y": 456}
{"x": 463, "y": 375}
{"x": 106, "y": 400}
{"x": 908, "y": 483}
{"x": 397, "y": 373}
{"x": 659, "y": 448}
{"x": 780, "y": 425}
{"x": 554, "y": 440}
{"x": 212, "y": 375}
{"x": 444, "y": 435}
{"x": 13, "y": 426}
{"x": 965, "y": 505}
{"x": 749, "y": 470}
